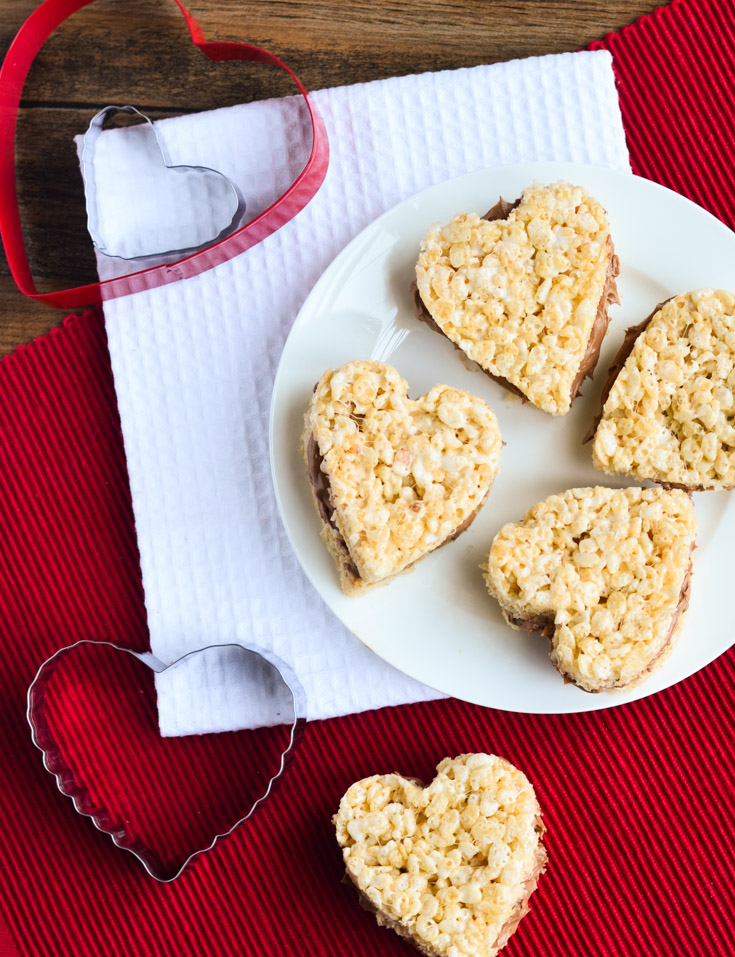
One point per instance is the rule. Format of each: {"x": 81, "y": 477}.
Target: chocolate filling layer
{"x": 320, "y": 484}
{"x": 322, "y": 493}
{"x": 545, "y": 626}
{"x": 540, "y": 623}
{"x": 501, "y": 210}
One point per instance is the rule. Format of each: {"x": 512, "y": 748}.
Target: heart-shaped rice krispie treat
{"x": 669, "y": 412}
{"x": 602, "y": 573}
{"x": 394, "y": 478}
{"x": 524, "y": 291}
{"x": 451, "y": 865}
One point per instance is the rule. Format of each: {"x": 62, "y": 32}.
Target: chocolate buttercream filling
{"x": 322, "y": 493}
{"x": 501, "y": 210}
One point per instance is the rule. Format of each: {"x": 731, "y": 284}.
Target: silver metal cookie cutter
{"x": 44, "y": 740}
{"x": 230, "y": 207}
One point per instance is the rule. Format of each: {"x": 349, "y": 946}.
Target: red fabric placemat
{"x": 638, "y": 800}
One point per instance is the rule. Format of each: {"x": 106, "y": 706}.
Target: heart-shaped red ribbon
{"x": 29, "y": 40}
{"x": 92, "y": 708}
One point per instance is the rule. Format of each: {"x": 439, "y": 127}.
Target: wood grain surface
{"x": 138, "y": 52}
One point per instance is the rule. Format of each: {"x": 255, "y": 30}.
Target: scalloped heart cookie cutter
{"x": 277, "y": 673}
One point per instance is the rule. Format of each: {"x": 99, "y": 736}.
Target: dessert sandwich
{"x": 524, "y": 291}
{"x": 604, "y": 574}
{"x": 450, "y": 866}
{"x": 668, "y": 407}
{"x": 394, "y": 478}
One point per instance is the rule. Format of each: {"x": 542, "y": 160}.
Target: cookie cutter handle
{"x": 23, "y": 50}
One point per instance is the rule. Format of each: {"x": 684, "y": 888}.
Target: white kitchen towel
{"x": 194, "y": 361}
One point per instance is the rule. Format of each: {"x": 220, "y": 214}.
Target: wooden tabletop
{"x": 138, "y": 52}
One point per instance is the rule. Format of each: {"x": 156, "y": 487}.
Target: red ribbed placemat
{"x": 638, "y": 800}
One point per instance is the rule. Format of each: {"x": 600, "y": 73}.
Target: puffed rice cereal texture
{"x": 670, "y": 414}
{"x": 451, "y": 865}
{"x": 604, "y": 574}
{"x": 520, "y": 296}
{"x": 404, "y": 475}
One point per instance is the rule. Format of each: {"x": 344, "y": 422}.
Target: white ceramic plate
{"x": 438, "y": 623}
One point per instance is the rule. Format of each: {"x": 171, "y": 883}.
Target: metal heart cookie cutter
{"x": 168, "y": 208}
{"x": 271, "y": 688}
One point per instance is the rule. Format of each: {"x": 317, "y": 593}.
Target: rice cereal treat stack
{"x": 669, "y": 409}
{"x": 449, "y": 866}
{"x": 604, "y": 574}
{"x": 394, "y": 478}
{"x": 524, "y": 291}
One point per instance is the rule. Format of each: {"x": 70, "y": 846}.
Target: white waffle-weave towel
{"x": 194, "y": 361}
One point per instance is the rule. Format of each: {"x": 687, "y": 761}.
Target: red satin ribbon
{"x": 29, "y": 40}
